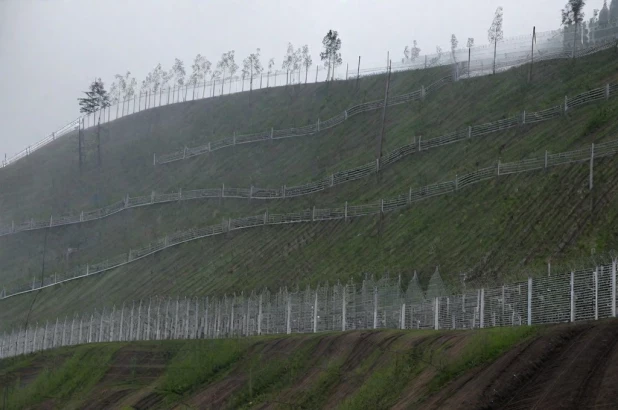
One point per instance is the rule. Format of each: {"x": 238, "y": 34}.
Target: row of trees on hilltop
{"x": 124, "y": 86}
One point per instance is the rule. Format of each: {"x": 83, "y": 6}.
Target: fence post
{"x": 591, "y": 166}
{"x": 566, "y": 104}
{"x": 313, "y": 214}
{"x": 482, "y": 309}
{"x": 546, "y": 157}
{"x": 332, "y": 180}
{"x": 343, "y": 307}
{"x": 51, "y": 220}
{"x": 315, "y": 312}
{"x": 184, "y": 153}
{"x": 419, "y": 143}
{"x": 288, "y": 316}
{"x": 529, "y": 301}
{"x": 403, "y": 316}
{"x": 410, "y": 196}
{"x": 523, "y": 118}
{"x": 572, "y": 296}
{"x": 596, "y": 293}
{"x": 318, "y": 124}
{"x": 375, "y": 307}
{"x": 259, "y": 318}
{"x": 456, "y": 183}
{"x": 222, "y": 190}
{"x": 607, "y": 91}
{"x": 381, "y": 206}
{"x": 272, "y": 131}
{"x": 154, "y": 159}
{"x": 614, "y": 288}
{"x": 377, "y": 165}
{"x": 345, "y": 211}
{"x": 422, "y": 93}
{"x": 436, "y": 317}
{"x": 469, "y": 131}
{"x": 152, "y": 197}
{"x": 498, "y": 167}
{"x": 266, "y": 217}
{"x": 251, "y": 192}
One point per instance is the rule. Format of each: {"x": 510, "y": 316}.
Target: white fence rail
{"x": 585, "y": 294}
{"x": 598, "y": 94}
{"x": 344, "y": 212}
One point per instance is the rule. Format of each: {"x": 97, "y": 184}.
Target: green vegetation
{"x": 383, "y": 385}
{"x": 66, "y": 382}
{"x": 484, "y": 347}
{"x": 199, "y": 362}
{"x": 497, "y": 230}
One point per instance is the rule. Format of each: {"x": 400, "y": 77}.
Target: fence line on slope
{"x": 312, "y": 129}
{"x": 505, "y": 59}
{"x": 343, "y": 212}
{"x": 598, "y": 94}
{"x": 583, "y": 294}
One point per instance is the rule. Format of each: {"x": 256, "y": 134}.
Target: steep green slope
{"x": 515, "y": 221}
{"x": 492, "y": 230}
{"x": 48, "y": 181}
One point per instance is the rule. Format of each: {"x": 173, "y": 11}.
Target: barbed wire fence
{"x": 511, "y": 52}
{"x": 337, "y": 178}
{"x": 343, "y": 212}
{"x": 386, "y": 303}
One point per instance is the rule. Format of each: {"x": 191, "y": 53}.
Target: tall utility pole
{"x": 532, "y": 53}
{"x": 381, "y": 137}
{"x": 99, "y": 144}
{"x": 79, "y": 144}
{"x": 358, "y": 72}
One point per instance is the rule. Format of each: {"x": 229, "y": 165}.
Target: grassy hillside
{"x": 350, "y": 370}
{"x": 49, "y": 182}
{"x": 515, "y": 222}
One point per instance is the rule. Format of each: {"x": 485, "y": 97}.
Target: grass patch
{"x": 266, "y": 378}
{"x": 316, "y": 396}
{"x": 71, "y": 381}
{"x": 200, "y": 362}
{"x": 383, "y": 386}
{"x": 485, "y": 346}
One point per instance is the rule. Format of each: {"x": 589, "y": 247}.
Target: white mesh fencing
{"x": 586, "y": 294}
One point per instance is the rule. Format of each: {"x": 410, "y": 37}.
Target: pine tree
{"x": 96, "y": 98}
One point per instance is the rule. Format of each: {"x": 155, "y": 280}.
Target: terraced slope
{"x": 515, "y": 222}
{"x": 565, "y": 366}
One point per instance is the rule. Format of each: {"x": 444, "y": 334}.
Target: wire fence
{"x": 510, "y": 52}
{"x": 337, "y": 178}
{"x": 584, "y": 294}
{"x": 343, "y": 212}
{"x": 462, "y": 71}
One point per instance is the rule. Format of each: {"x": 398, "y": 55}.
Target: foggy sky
{"x": 50, "y": 50}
